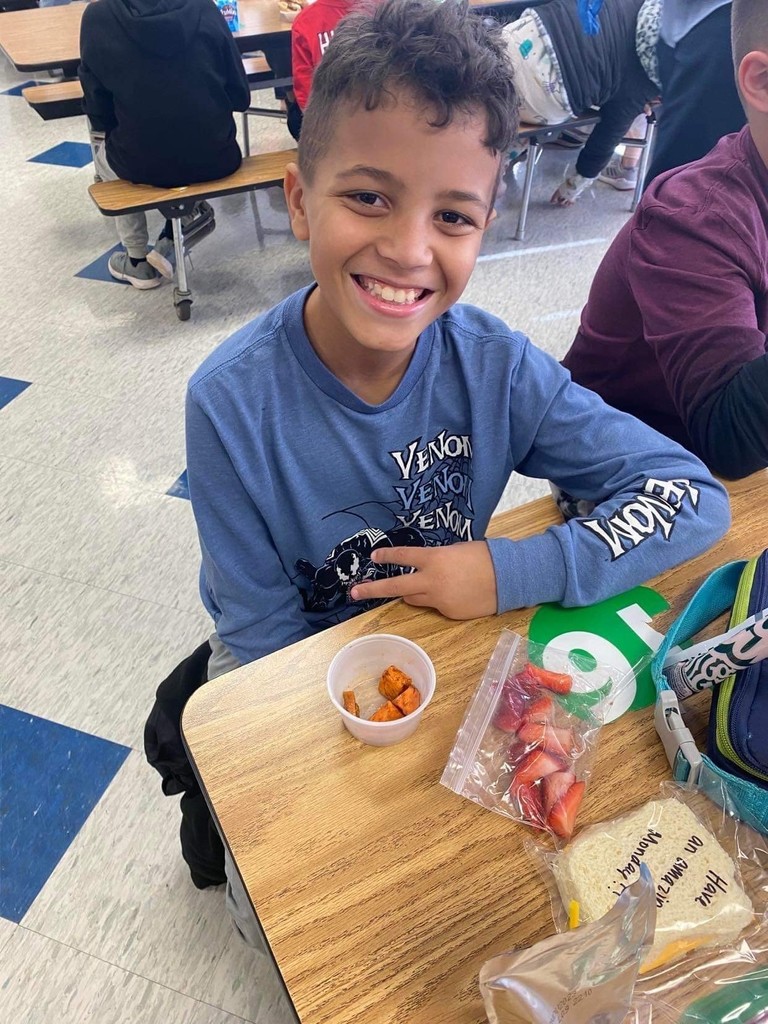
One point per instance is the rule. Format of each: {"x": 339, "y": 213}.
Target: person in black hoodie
{"x": 160, "y": 80}
{"x": 561, "y": 71}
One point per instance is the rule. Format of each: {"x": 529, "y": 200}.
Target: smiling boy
{"x": 353, "y": 442}
{"x": 358, "y": 430}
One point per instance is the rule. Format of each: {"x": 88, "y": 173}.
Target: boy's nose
{"x": 406, "y": 242}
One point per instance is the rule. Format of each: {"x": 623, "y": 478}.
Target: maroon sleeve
{"x": 694, "y": 279}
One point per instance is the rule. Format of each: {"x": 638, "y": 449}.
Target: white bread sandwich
{"x": 699, "y": 901}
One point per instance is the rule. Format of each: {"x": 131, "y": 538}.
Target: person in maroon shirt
{"x": 674, "y": 330}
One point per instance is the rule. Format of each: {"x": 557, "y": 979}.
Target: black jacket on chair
{"x": 161, "y": 79}
{"x": 600, "y": 71}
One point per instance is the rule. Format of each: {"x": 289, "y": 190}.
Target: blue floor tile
{"x": 98, "y": 271}
{"x": 11, "y": 388}
{"x": 51, "y": 778}
{"x": 66, "y": 154}
{"x": 180, "y": 489}
{"x": 16, "y": 90}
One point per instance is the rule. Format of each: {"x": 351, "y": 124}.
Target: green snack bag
{"x": 738, "y": 1001}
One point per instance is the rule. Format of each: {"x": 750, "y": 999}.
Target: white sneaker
{"x": 622, "y": 178}
{"x": 569, "y": 190}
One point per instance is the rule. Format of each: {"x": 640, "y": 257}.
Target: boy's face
{"x": 394, "y": 216}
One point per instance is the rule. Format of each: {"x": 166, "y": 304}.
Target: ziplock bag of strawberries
{"x": 523, "y": 746}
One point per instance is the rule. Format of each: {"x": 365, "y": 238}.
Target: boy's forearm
{"x": 631, "y": 537}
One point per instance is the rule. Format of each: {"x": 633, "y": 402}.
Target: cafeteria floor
{"x": 98, "y": 593}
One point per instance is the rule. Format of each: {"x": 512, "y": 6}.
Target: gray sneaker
{"x": 141, "y": 276}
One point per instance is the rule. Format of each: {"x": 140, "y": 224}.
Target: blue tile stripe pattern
{"x": 99, "y": 271}
{"x": 66, "y": 154}
{"x": 51, "y": 778}
{"x": 11, "y": 388}
{"x": 180, "y": 489}
{"x": 17, "y": 89}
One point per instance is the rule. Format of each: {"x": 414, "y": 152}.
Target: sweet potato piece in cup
{"x": 387, "y": 713}
{"x": 408, "y": 700}
{"x": 349, "y": 701}
{"x": 393, "y": 682}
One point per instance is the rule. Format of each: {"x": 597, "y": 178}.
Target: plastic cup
{"x": 358, "y": 666}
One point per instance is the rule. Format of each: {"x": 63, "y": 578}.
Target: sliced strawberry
{"x": 528, "y": 798}
{"x": 507, "y": 719}
{"x": 536, "y": 765}
{"x": 562, "y": 817}
{"x": 558, "y": 682}
{"x": 510, "y": 709}
{"x": 515, "y": 754}
{"x": 550, "y": 737}
{"x": 556, "y": 786}
{"x": 542, "y": 709}
{"x": 525, "y": 683}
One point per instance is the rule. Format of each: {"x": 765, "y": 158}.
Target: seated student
{"x": 701, "y": 102}
{"x": 561, "y": 70}
{"x": 352, "y": 443}
{"x": 674, "y": 330}
{"x": 311, "y": 32}
{"x": 160, "y": 81}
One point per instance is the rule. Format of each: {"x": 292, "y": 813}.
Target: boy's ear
{"x": 753, "y": 80}
{"x": 295, "y": 198}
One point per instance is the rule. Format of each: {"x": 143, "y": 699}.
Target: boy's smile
{"x": 394, "y": 214}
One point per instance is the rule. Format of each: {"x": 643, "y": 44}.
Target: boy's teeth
{"x": 403, "y": 296}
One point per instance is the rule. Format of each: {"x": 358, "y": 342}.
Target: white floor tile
{"x": 7, "y": 928}
{"x": 86, "y": 434}
{"x": 109, "y": 533}
{"x": 42, "y": 982}
{"x": 123, "y": 893}
{"x": 93, "y": 659}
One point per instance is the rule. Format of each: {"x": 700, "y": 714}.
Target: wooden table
{"x": 49, "y": 37}
{"x": 380, "y": 892}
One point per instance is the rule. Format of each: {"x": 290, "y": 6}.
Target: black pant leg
{"x": 201, "y": 845}
{"x": 700, "y": 102}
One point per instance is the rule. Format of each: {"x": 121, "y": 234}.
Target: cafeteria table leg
{"x": 182, "y": 296}
{"x": 246, "y": 135}
{"x": 645, "y": 160}
{"x": 530, "y": 166}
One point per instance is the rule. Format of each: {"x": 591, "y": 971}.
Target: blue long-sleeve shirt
{"x": 295, "y": 480}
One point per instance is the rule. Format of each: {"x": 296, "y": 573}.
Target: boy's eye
{"x": 453, "y": 218}
{"x": 366, "y": 198}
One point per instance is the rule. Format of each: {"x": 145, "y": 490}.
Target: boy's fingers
{"x": 394, "y": 586}
{"x": 413, "y": 557}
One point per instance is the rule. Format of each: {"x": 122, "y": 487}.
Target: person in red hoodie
{"x": 311, "y": 32}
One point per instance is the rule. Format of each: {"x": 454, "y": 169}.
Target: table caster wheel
{"x": 184, "y": 309}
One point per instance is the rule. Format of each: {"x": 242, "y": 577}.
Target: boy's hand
{"x": 457, "y": 580}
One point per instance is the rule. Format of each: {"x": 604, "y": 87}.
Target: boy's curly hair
{"x": 444, "y": 55}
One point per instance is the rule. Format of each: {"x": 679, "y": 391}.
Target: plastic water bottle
{"x": 231, "y": 14}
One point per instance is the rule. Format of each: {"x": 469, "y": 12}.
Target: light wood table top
{"x": 49, "y": 37}
{"x": 382, "y": 893}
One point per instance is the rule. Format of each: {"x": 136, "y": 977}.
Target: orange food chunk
{"x": 386, "y": 713}
{"x": 408, "y": 700}
{"x": 349, "y": 701}
{"x": 393, "y": 682}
